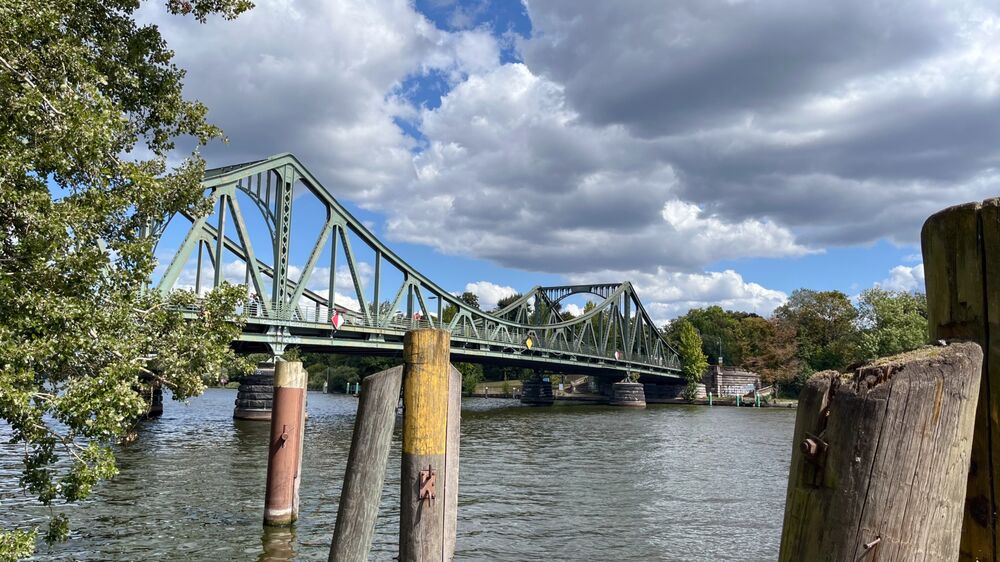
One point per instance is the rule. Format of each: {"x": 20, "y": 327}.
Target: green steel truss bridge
{"x": 612, "y": 338}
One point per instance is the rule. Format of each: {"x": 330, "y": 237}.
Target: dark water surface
{"x": 559, "y": 483}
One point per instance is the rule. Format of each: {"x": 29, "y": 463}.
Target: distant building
{"x": 729, "y": 381}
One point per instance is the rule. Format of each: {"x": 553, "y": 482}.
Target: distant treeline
{"x": 813, "y": 331}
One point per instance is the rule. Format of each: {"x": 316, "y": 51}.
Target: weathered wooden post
{"x": 880, "y": 459}
{"x": 429, "y": 474}
{"x": 961, "y": 250}
{"x": 284, "y": 459}
{"x": 365, "y": 473}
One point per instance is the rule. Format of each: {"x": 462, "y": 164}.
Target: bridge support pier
{"x": 154, "y": 397}
{"x": 253, "y": 400}
{"x": 628, "y": 394}
{"x": 537, "y": 392}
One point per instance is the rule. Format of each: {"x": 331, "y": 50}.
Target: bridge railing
{"x": 314, "y": 313}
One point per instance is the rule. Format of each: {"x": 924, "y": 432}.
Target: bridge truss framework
{"x": 614, "y": 337}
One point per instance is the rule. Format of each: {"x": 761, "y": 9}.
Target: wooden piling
{"x": 365, "y": 473}
{"x": 424, "y": 490}
{"x": 961, "y": 251}
{"x": 880, "y": 458}
{"x": 284, "y": 460}
{"x": 451, "y": 462}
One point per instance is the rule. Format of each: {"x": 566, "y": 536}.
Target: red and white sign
{"x": 618, "y": 356}
{"x": 337, "y": 320}
{"x": 417, "y": 316}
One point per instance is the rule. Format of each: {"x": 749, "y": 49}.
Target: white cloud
{"x": 644, "y": 139}
{"x": 904, "y": 278}
{"x": 321, "y": 80}
{"x": 234, "y": 272}
{"x": 489, "y": 293}
{"x": 667, "y": 295}
{"x": 511, "y": 176}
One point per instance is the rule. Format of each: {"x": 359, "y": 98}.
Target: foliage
{"x": 291, "y": 353}
{"x": 693, "y": 359}
{"x": 472, "y": 375}
{"x": 891, "y": 322}
{"x": 338, "y": 370}
{"x": 773, "y": 351}
{"x": 81, "y": 87}
{"x": 721, "y": 332}
{"x": 471, "y": 299}
{"x": 812, "y": 331}
{"x": 449, "y": 312}
{"x": 384, "y": 309}
{"x": 16, "y": 544}
{"x": 506, "y": 301}
{"x": 825, "y": 324}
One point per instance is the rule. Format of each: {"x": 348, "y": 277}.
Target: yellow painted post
{"x": 426, "y": 389}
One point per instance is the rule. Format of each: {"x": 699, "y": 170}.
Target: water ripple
{"x": 563, "y": 483}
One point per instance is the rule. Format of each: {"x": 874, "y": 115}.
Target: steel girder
{"x": 616, "y": 335}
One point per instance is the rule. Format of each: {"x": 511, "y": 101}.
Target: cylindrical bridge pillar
{"x": 537, "y": 392}
{"x": 630, "y": 394}
{"x": 284, "y": 459}
{"x": 253, "y": 399}
{"x": 154, "y": 397}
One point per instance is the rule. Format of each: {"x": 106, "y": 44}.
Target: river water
{"x": 559, "y": 483}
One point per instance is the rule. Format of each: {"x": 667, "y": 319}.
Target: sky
{"x": 710, "y": 152}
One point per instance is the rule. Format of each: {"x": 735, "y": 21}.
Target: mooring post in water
{"x": 284, "y": 458}
{"x": 365, "y": 474}
{"x": 961, "y": 251}
{"x": 429, "y": 472}
{"x": 880, "y": 459}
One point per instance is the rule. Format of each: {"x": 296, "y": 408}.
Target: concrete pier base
{"x": 253, "y": 400}
{"x": 537, "y": 393}
{"x": 629, "y": 394}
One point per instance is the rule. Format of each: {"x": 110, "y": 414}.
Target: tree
{"x": 471, "y": 299}
{"x": 472, "y": 375}
{"x": 693, "y": 359}
{"x": 774, "y": 352}
{"x": 891, "y": 322}
{"x": 82, "y": 89}
{"x": 724, "y": 333}
{"x": 506, "y": 301}
{"x": 825, "y": 324}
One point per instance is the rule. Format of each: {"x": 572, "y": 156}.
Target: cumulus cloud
{"x": 489, "y": 293}
{"x": 510, "y": 176}
{"x": 642, "y": 140}
{"x": 904, "y": 278}
{"x": 322, "y": 80}
{"x": 843, "y": 123}
{"x": 668, "y": 294}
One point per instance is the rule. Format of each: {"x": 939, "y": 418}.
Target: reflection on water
{"x": 278, "y": 544}
{"x": 561, "y": 483}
